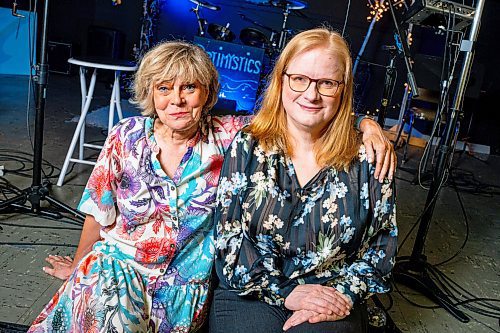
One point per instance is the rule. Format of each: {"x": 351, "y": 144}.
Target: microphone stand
{"x": 390, "y": 76}
{"x": 405, "y": 51}
{"x": 38, "y": 191}
{"x": 413, "y": 270}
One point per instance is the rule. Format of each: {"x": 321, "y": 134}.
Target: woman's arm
{"x": 62, "y": 267}
{"x": 98, "y": 200}
{"x": 378, "y": 148}
{"x": 369, "y": 273}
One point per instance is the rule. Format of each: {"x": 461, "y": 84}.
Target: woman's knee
{"x": 233, "y": 313}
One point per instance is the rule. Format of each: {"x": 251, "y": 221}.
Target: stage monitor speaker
{"x": 105, "y": 42}
{"x": 427, "y": 70}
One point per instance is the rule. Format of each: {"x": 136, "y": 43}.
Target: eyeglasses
{"x": 325, "y": 87}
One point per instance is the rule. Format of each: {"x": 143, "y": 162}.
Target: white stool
{"x": 102, "y": 63}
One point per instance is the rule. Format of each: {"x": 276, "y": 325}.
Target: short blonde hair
{"x": 169, "y": 61}
{"x": 339, "y": 144}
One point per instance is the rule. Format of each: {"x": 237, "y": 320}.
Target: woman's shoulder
{"x": 130, "y": 123}
{"x": 230, "y": 124}
{"x": 127, "y": 127}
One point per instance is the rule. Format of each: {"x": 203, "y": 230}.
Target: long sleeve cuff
{"x": 272, "y": 293}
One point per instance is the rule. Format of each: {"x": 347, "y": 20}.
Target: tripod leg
{"x": 19, "y": 199}
{"x": 65, "y": 207}
{"x": 416, "y": 277}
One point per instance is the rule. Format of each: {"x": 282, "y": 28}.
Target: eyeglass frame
{"x": 316, "y": 81}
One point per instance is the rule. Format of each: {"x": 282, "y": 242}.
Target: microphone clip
{"x": 14, "y": 10}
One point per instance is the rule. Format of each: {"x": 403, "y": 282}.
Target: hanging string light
{"x": 379, "y": 7}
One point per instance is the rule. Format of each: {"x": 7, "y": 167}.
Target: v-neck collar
{"x": 155, "y": 149}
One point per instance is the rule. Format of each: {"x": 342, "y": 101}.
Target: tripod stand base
{"x": 413, "y": 274}
{"x": 35, "y": 195}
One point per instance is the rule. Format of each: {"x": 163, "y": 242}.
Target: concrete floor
{"x": 26, "y": 240}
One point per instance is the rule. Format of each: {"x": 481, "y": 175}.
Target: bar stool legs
{"x": 79, "y": 134}
{"x": 115, "y": 101}
{"x": 80, "y": 128}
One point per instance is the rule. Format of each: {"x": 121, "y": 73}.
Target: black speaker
{"x": 57, "y": 57}
{"x": 105, "y": 42}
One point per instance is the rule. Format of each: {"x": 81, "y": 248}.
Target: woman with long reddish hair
{"x": 305, "y": 231}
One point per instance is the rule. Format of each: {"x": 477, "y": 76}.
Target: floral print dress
{"x": 273, "y": 234}
{"x": 151, "y": 270}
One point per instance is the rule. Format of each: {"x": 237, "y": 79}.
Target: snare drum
{"x": 254, "y": 37}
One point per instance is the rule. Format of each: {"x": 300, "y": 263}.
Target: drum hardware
{"x": 220, "y": 32}
{"x": 254, "y": 37}
{"x": 245, "y": 18}
{"x": 278, "y": 39}
{"x": 204, "y": 4}
{"x": 287, "y": 6}
{"x": 259, "y": 2}
{"x": 201, "y": 21}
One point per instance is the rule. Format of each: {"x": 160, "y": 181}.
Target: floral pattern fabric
{"x": 151, "y": 271}
{"x": 273, "y": 234}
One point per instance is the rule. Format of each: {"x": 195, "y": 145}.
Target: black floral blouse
{"x": 272, "y": 234}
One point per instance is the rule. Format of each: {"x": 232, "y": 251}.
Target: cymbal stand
{"x": 389, "y": 82}
{"x": 404, "y": 111}
{"x": 201, "y": 21}
{"x": 283, "y": 32}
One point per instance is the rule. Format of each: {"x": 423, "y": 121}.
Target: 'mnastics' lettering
{"x": 235, "y": 62}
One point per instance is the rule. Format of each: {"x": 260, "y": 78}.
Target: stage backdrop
{"x": 14, "y": 42}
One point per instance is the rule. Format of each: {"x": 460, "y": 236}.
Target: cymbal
{"x": 290, "y": 4}
{"x": 205, "y": 4}
{"x": 259, "y": 2}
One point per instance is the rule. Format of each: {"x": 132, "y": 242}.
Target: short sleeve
{"x": 99, "y": 196}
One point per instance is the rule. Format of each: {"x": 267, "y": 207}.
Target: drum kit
{"x": 272, "y": 43}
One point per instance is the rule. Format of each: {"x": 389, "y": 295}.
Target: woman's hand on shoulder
{"x": 318, "y": 298}
{"x": 378, "y": 149}
{"x": 62, "y": 267}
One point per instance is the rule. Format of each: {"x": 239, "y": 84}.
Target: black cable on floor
{"x": 466, "y": 222}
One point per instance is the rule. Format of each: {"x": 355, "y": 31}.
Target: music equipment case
{"x": 57, "y": 56}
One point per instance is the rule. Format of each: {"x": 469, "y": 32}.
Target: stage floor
{"x": 26, "y": 240}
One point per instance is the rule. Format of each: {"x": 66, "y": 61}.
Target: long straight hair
{"x": 339, "y": 143}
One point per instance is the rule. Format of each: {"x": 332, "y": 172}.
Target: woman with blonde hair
{"x": 305, "y": 231}
{"x": 146, "y": 250}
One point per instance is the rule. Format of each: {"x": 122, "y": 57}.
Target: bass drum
{"x": 254, "y": 37}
